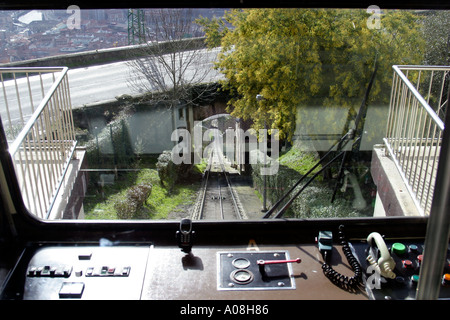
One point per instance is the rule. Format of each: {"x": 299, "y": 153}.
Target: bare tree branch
{"x": 174, "y": 60}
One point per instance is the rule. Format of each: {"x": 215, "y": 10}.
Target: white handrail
{"x": 414, "y": 129}
{"x": 416, "y": 93}
{"x": 43, "y": 149}
{"x": 19, "y": 139}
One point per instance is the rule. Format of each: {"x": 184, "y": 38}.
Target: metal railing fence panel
{"x": 414, "y": 127}
{"x": 43, "y": 148}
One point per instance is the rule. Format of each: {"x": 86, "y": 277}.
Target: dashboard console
{"x": 330, "y": 266}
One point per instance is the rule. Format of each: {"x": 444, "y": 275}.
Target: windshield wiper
{"x": 341, "y": 142}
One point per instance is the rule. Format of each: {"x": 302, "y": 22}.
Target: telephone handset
{"x": 385, "y": 264}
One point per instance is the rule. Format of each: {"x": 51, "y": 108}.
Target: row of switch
{"x": 410, "y": 256}
{"x": 66, "y": 271}
{"x": 415, "y": 279}
{"x": 48, "y": 271}
{"x": 402, "y": 251}
{"x": 106, "y": 271}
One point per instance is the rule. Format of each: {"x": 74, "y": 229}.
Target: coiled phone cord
{"x": 341, "y": 280}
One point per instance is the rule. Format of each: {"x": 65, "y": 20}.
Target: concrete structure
{"x": 393, "y": 198}
{"x": 405, "y": 167}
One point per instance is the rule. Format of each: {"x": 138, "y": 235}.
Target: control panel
{"x": 393, "y": 272}
{"x": 261, "y": 270}
{"x": 329, "y": 267}
{"x": 85, "y": 272}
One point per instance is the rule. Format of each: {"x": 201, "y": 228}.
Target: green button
{"x": 398, "y": 248}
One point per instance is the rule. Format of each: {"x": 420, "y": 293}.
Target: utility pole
{"x": 259, "y": 98}
{"x": 136, "y": 26}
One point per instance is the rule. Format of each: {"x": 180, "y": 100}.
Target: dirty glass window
{"x": 222, "y": 114}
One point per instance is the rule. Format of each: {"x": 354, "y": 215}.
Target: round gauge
{"x": 241, "y": 263}
{"x": 241, "y": 276}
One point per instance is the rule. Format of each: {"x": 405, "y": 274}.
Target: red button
{"x": 407, "y": 263}
{"x": 420, "y": 258}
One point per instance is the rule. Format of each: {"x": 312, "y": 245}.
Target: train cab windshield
{"x": 222, "y": 114}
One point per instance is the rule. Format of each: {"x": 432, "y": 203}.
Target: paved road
{"x": 99, "y": 83}
{"x": 90, "y": 85}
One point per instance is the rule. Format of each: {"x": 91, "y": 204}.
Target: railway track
{"x": 217, "y": 200}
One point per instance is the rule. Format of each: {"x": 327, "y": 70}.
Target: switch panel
{"x": 242, "y": 270}
{"x": 408, "y": 255}
{"x": 85, "y": 272}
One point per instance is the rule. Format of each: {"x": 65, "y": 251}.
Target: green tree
{"x": 295, "y": 56}
{"x": 437, "y": 35}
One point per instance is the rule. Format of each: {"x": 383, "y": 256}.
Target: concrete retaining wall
{"x": 95, "y": 57}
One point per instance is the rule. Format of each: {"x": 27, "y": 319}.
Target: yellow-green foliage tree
{"x": 294, "y": 56}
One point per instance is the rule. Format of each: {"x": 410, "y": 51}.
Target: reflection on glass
{"x": 253, "y": 99}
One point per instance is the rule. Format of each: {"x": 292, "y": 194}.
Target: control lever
{"x": 385, "y": 263}
{"x": 261, "y": 263}
{"x": 185, "y": 235}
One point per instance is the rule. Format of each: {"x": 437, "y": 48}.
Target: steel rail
{"x": 206, "y": 185}
{"x": 230, "y": 188}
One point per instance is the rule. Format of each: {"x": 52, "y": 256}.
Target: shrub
{"x": 140, "y": 193}
{"x": 166, "y": 170}
{"x": 125, "y": 208}
{"x": 112, "y": 144}
{"x": 135, "y": 198}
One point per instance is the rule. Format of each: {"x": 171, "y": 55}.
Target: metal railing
{"x": 414, "y": 127}
{"x": 37, "y": 101}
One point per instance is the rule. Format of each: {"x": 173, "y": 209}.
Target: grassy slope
{"x": 158, "y": 205}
